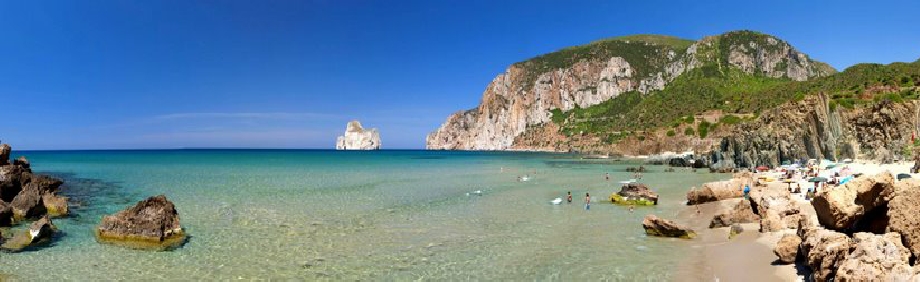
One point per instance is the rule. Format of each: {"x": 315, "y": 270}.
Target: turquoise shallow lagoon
{"x": 330, "y": 215}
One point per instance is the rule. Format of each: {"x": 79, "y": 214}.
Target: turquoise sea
{"x": 374, "y": 215}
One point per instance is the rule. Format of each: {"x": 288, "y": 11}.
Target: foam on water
{"x": 392, "y": 215}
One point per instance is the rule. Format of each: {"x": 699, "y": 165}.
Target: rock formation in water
{"x": 25, "y": 195}
{"x": 357, "y": 138}
{"x": 151, "y": 224}
{"x": 525, "y": 94}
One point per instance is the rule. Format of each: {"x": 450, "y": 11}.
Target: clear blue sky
{"x": 168, "y": 74}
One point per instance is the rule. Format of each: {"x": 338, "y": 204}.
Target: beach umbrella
{"x": 830, "y": 166}
{"x": 762, "y": 168}
{"x": 903, "y": 176}
{"x": 817, "y": 179}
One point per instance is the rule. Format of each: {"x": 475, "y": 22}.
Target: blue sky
{"x": 169, "y": 74}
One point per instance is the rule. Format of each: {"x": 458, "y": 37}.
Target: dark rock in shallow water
{"x": 635, "y": 194}
{"x": 39, "y": 232}
{"x": 6, "y": 214}
{"x": 152, "y": 224}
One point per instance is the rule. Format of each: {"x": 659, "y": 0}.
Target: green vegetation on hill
{"x": 728, "y": 89}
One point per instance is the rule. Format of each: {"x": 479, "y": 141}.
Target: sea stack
{"x": 356, "y": 138}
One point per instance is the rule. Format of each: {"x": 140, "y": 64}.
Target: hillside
{"x": 623, "y": 83}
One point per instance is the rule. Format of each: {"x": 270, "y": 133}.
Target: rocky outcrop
{"x": 859, "y": 205}
{"x": 5, "y": 151}
{"x": 660, "y": 227}
{"x": 39, "y": 232}
{"x": 823, "y": 251}
{"x": 357, "y": 138}
{"x": 151, "y": 224}
{"x": 787, "y": 249}
{"x": 635, "y": 194}
{"x": 526, "y": 92}
{"x": 875, "y": 258}
{"x": 741, "y": 213}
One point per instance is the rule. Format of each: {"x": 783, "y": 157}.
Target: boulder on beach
{"x": 778, "y": 201}
{"x": 152, "y": 224}
{"x": 715, "y": 191}
{"x": 660, "y": 227}
{"x": 787, "y": 248}
{"x": 844, "y": 207}
{"x": 772, "y": 222}
{"x": 39, "y": 232}
{"x": 635, "y": 194}
{"x": 904, "y": 214}
{"x": 823, "y": 251}
{"x": 741, "y": 213}
{"x": 876, "y": 258}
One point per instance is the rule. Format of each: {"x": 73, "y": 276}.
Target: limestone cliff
{"x": 526, "y": 93}
{"x": 357, "y": 138}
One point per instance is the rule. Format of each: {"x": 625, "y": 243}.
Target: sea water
{"x": 368, "y": 215}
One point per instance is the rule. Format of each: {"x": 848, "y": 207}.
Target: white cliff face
{"x": 357, "y": 138}
{"x": 512, "y": 102}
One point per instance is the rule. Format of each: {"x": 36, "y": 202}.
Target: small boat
{"x": 525, "y": 178}
{"x": 556, "y": 201}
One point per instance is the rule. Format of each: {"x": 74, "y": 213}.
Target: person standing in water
{"x": 587, "y": 201}
{"x": 607, "y": 176}
{"x": 570, "y": 197}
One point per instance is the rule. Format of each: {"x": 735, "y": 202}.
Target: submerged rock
{"x": 39, "y": 232}
{"x": 741, "y": 213}
{"x": 635, "y": 194}
{"x": 655, "y": 226}
{"x": 151, "y": 224}
{"x": 787, "y": 248}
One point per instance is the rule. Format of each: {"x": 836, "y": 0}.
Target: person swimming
{"x": 570, "y": 197}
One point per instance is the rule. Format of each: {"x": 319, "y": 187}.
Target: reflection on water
{"x": 382, "y": 215}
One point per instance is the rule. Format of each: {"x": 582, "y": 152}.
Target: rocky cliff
{"x": 579, "y": 77}
{"x": 357, "y": 138}
{"x": 812, "y": 129}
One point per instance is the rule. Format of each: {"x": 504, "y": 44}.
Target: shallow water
{"x": 326, "y": 215}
